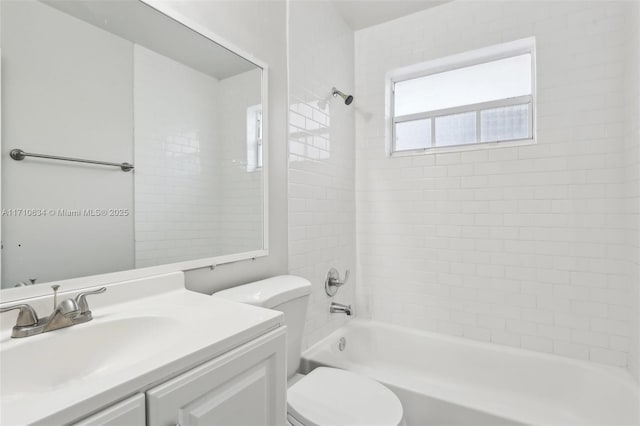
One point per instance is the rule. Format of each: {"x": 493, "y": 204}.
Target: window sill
{"x": 463, "y": 148}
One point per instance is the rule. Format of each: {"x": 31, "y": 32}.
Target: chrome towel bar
{"x": 18, "y": 155}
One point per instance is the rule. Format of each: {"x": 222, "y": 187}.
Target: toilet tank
{"x": 285, "y": 293}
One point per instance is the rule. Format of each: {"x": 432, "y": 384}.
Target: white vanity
{"x": 154, "y": 353}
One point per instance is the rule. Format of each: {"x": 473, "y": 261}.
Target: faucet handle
{"x": 31, "y": 281}
{"x": 81, "y": 299}
{"x": 27, "y": 316}
{"x": 346, "y": 277}
{"x": 333, "y": 282}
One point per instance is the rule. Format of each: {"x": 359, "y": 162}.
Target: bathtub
{"x": 444, "y": 380}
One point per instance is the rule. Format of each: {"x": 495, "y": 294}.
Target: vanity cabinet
{"x": 246, "y": 386}
{"x": 130, "y": 412}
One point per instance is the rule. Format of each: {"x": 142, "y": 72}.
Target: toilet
{"x": 326, "y": 396}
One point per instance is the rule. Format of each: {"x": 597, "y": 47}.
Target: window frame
{"x": 449, "y": 63}
{"x": 255, "y": 129}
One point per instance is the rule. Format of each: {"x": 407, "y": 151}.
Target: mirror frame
{"x": 13, "y": 294}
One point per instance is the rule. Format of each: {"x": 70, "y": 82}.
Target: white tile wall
{"x": 321, "y": 158}
{"x": 177, "y": 161}
{"x": 632, "y": 178}
{"x": 523, "y": 246}
{"x": 194, "y": 196}
{"x": 241, "y": 192}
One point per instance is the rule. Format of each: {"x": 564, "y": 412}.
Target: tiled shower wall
{"x": 522, "y": 246}
{"x": 321, "y": 158}
{"x": 194, "y": 195}
{"x": 177, "y": 161}
{"x": 240, "y": 222}
{"x": 632, "y": 170}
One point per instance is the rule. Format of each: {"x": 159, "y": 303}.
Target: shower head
{"x": 347, "y": 98}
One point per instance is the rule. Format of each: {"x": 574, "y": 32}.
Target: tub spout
{"x": 339, "y": 308}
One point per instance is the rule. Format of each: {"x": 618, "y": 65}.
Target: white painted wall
{"x": 321, "y": 158}
{"x": 65, "y": 107}
{"x": 178, "y": 161}
{"x": 521, "y": 246}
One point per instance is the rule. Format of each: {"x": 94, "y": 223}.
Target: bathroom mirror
{"x": 121, "y": 82}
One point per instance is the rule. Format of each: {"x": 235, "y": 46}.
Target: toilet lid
{"x": 329, "y": 396}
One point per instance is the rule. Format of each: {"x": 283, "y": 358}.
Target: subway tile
{"x": 544, "y": 222}
{"x": 539, "y": 344}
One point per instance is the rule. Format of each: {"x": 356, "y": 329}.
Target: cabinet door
{"x": 129, "y": 412}
{"x": 246, "y": 386}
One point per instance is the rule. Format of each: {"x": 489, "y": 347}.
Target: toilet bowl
{"x": 330, "y": 396}
{"x": 325, "y": 396}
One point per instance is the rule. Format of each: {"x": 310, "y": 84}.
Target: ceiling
{"x": 360, "y": 14}
{"x": 140, "y": 24}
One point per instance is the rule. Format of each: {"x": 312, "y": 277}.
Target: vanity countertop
{"x": 132, "y": 344}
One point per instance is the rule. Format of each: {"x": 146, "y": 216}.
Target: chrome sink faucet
{"x": 65, "y": 314}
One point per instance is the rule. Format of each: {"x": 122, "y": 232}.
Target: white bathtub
{"x": 445, "y": 380}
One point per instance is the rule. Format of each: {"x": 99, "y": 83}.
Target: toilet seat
{"x": 334, "y": 397}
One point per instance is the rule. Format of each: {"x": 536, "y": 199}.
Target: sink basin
{"x": 43, "y": 363}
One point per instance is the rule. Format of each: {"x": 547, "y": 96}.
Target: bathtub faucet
{"x": 339, "y": 308}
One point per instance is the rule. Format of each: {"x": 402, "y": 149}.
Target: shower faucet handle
{"x": 334, "y": 277}
{"x": 333, "y": 281}
{"x": 346, "y": 278}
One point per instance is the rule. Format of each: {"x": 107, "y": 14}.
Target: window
{"x": 254, "y": 138}
{"x": 477, "y": 97}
